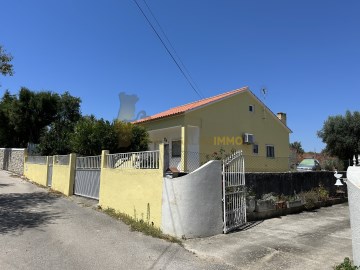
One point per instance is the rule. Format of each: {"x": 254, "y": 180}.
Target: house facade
{"x": 215, "y": 126}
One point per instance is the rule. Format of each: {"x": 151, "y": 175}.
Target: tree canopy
{"x": 341, "y": 134}
{"x": 24, "y": 117}
{"x": 298, "y": 147}
{"x": 55, "y": 139}
{"x": 92, "y": 135}
{"x": 54, "y": 123}
{"x": 6, "y": 68}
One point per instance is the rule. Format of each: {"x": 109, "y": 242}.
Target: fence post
{"x": 104, "y": 159}
{"x": 164, "y": 161}
{"x": 25, "y": 160}
{"x": 72, "y": 167}
{"x": 25, "y": 155}
{"x": 103, "y": 165}
{"x": 184, "y": 148}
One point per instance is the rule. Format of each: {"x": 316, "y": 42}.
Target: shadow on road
{"x": 25, "y": 210}
{"x": 5, "y": 185}
{"x": 247, "y": 226}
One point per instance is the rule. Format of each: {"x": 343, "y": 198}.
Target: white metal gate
{"x": 87, "y": 177}
{"x": 234, "y": 194}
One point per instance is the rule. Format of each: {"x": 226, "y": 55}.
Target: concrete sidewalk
{"x": 310, "y": 240}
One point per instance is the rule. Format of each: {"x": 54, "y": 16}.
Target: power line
{"x": 172, "y": 47}
{"x": 166, "y": 48}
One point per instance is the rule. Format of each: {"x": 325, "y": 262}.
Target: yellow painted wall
{"x": 230, "y": 118}
{"x": 36, "y": 173}
{"x": 130, "y": 191}
{"x": 61, "y": 179}
{"x": 164, "y": 123}
{"x": 63, "y": 176}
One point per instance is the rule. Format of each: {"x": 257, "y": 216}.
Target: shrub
{"x": 346, "y": 265}
{"x": 310, "y": 198}
{"x": 323, "y": 194}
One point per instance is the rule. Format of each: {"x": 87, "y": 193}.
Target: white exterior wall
{"x": 353, "y": 185}
{"x": 174, "y": 134}
{"x": 192, "y": 204}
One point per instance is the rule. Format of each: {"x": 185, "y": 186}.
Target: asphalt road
{"x": 40, "y": 230}
{"x": 315, "y": 240}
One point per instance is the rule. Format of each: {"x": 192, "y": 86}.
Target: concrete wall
{"x": 63, "y": 177}
{"x": 192, "y": 204}
{"x": 133, "y": 192}
{"x": 287, "y": 183}
{"x": 12, "y": 159}
{"x": 36, "y": 173}
{"x": 353, "y": 184}
{"x": 136, "y": 192}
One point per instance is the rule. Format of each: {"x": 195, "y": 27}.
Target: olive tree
{"x": 341, "y": 134}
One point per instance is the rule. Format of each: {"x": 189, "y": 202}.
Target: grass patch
{"x": 141, "y": 226}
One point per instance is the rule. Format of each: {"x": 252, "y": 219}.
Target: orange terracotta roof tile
{"x": 190, "y": 106}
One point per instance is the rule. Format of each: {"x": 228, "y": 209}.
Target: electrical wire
{"x": 172, "y": 47}
{"x": 166, "y": 48}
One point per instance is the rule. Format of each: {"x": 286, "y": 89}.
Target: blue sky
{"x": 306, "y": 53}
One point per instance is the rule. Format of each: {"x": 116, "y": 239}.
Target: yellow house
{"x": 217, "y": 125}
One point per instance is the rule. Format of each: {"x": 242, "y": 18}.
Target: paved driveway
{"x": 39, "y": 230}
{"x": 310, "y": 240}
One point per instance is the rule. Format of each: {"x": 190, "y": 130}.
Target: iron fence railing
{"x": 90, "y": 162}
{"x": 134, "y": 160}
{"x": 36, "y": 159}
{"x": 62, "y": 159}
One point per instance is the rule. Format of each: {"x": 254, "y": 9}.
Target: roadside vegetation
{"x": 145, "y": 227}
{"x": 346, "y": 265}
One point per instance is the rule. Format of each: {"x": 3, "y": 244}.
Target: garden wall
{"x": 287, "y": 183}
{"x": 12, "y": 159}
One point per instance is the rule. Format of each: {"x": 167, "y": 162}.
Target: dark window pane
{"x": 176, "y": 149}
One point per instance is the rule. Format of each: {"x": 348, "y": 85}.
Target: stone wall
{"x": 12, "y": 159}
{"x": 287, "y": 183}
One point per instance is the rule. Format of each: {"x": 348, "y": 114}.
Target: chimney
{"x": 282, "y": 117}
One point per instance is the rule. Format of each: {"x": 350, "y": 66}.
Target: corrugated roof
{"x": 190, "y": 106}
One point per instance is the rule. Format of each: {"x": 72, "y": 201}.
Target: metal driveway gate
{"x": 87, "y": 177}
{"x": 50, "y": 170}
{"x": 234, "y": 194}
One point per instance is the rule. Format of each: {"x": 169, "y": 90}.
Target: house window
{"x": 270, "y": 151}
{"x": 251, "y": 108}
{"x": 176, "y": 148}
{"x": 255, "y": 149}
